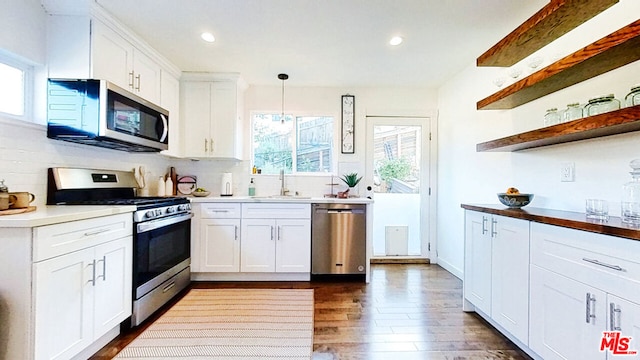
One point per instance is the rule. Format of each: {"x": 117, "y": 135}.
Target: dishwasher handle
{"x": 339, "y": 211}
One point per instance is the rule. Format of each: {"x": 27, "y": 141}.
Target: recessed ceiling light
{"x": 396, "y": 40}
{"x": 208, "y": 37}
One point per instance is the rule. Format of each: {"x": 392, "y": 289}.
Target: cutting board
{"x": 17, "y": 211}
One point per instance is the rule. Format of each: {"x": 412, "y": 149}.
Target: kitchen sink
{"x": 292, "y": 197}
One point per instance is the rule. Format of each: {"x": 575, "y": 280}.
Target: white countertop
{"x": 287, "y": 199}
{"x": 54, "y": 214}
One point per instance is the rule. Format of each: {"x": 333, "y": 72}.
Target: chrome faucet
{"x": 283, "y": 190}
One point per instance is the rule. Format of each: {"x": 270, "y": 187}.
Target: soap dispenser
{"x": 252, "y": 188}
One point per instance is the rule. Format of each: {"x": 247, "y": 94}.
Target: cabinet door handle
{"x": 590, "y": 304}
{"x": 138, "y": 78}
{"x": 104, "y": 268}
{"x": 235, "y": 232}
{"x": 494, "y": 225}
{"x": 279, "y": 232}
{"x": 211, "y": 145}
{"x": 96, "y": 232}
{"x": 484, "y": 225}
{"x": 206, "y": 149}
{"x": 599, "y": 263}
{"x": 272, "y": 232}
{"x": 93, "y": 271}
{"x": 131, "y": 79}
{"x": 613, "y": 313}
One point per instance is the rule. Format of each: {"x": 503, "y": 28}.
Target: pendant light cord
{"x": 282, "y": 77}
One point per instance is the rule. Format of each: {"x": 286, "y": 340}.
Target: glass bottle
{"x": 630, "y": 204}
{"x": 572, "y": 112}
{"x": 601, "y": 105}
{"x": 551, "y": 117}
{"x": 633, "y": 97}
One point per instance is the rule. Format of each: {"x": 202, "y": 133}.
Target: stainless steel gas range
{"x": 162, "y": 231}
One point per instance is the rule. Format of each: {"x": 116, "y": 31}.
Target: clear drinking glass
{"x": 597, "y": 209}
{"x": 630, "y": 204}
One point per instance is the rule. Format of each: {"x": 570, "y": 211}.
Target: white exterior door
{"x": 398, "y": 171}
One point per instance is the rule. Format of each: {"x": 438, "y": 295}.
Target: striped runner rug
{"x": 231, "y": 324}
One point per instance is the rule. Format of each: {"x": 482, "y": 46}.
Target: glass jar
{"x": 572, "y": 112}
{"x": 601, "y": 105}
{"x": 4, "y": 196}
{"x": 551, "y": 117}
{"x": 633, "y": 97}
{"x": 630, "y": 204}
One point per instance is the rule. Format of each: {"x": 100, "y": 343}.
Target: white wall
{"x": 466, "y": 176}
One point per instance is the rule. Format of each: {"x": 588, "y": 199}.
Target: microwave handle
{"x": 166, "y": 128}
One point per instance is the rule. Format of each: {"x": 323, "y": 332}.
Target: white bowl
{"x": 201, "y": 193}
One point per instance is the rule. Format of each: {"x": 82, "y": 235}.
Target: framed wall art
{"x": 348, "y": 122}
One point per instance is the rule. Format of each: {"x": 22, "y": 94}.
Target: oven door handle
{"x": 155, "y": 224}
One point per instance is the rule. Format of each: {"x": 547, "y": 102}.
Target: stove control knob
{"x": 172, "y": 209}
{"x": 150, "y": 214}
{"x": 159, "y": 212}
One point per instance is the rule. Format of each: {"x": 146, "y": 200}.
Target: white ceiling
{"x": 325, "y": 42}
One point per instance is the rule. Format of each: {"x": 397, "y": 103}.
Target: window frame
{"x": 294, "y": 139}
{"x": 28, "y": 72}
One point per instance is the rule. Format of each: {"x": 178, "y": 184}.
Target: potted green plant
{"x": 351, "y": 179}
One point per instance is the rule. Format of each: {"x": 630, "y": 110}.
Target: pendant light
{"x": 282, "y": 77}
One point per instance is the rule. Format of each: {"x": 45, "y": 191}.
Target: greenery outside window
{"x": 299, "y": 144}
{"x": 15, "y": 89}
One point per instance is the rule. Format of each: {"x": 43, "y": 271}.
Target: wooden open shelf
{"x": 616, "y": 122}
{"x": 611, "y": 52}
{"x": 552, "y": 21}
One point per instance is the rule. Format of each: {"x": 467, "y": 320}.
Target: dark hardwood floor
{"x": 406, "y": 312}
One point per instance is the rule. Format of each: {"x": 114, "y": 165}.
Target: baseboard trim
{"x": 400, "y": 261}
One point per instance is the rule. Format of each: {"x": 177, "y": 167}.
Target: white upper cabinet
{"x": 94, "y": 45}
{"x": 212, "y": 112}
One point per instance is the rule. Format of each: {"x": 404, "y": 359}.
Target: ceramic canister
{"x": 226, "y": 186}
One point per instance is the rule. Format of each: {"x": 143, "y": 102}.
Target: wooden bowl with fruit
{"x": 514, "y": 199}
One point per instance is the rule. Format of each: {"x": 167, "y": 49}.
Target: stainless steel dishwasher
{"x": 338, "y": 239}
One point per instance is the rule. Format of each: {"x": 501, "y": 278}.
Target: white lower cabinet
{"x": 567, "y": 317}
{"x": 81, "y": 296}
{"x": 65, "y": 287}
{"x": 582, "y": 285}
{"x": 496, "y": 276}
{"x": 281, "y": 245}
{"x": 220, "y": 250}
{"x": 249, "y": 238}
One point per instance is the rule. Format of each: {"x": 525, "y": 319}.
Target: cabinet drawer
{"x": 606, "y": 262}
{"x": 276, "y": 211}
{"x": 220, "y": 211}
{"x": 54, "y": 240}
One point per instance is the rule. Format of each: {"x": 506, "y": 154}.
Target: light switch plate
{"x": 567, "y": 172}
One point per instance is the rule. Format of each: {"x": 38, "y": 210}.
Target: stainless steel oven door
{"x": 162, "y": 248}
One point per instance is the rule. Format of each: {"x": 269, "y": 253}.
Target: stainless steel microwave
{"x": 100, "y": 113}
